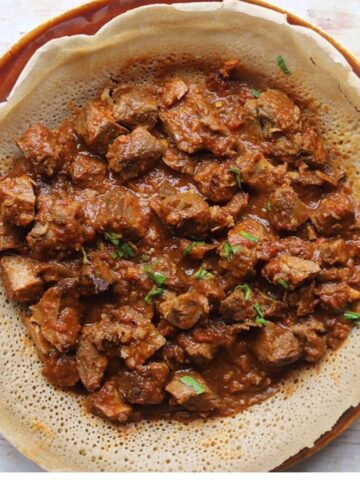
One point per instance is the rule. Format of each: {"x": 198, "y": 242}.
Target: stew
{"x": 180, "y": 245}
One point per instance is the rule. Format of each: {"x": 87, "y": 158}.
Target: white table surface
{"x": 341, "y": 19}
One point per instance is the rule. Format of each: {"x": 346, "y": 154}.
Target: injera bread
{"x": 50, "y": 426}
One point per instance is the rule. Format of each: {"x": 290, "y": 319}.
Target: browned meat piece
{"x": 276, "y": 346}
{"x": 10, "y": 236}
{"x": 249, "y": 233}
{"x": 290, "y": 245}
{"x": 52, "y": 272}
{"x": 134, "y": 106}
{"x": 239, "y": 306}
{"x": 120, "y": 212}
{"x": 193, "y": 124}
{"x": 257, "y": 172}
{"x": 58, "y": 315}
{"x": 186, "y": 212}
{"x": 331, "y": 252}
{"x": 179, "y": 161}
{"x": 196, "y": 249}
{"x": 211, "y": 288}
{"x": 17, "y": 200}
{"x": 335, "y": 296}
{"x": 20, "y": 278}
{"x": 134, "y": 154}
{"x": 276, "y": 111}
{"x": 145, "y": 385}
{"x": 227, "y": 215}
{"x": 87, "y": 171}
{"x": 90, "y": 362}
{"x": 145, "y": 338}
{"x": 312, "y": 178}
{"x": 334, "y": 274}
{"x": 60, "y": 370}
{"x": 304, "y": 299}
{"x": 335, "y": 214}
{"x": 96, "y": 126}
{"x": 310, "y": 333}
{"x": 39, "y": 145}
{"x": 173, "y": 91}
{"x": 290, "y": 271}
{"x": 189, "y": 389}
{"x": 241, "y": 264}
{"x": 96, "y": 275}
{"x": 44, "y": 348}
{"x": 286, "y": 210}
{"x": 173, "y": 355}
{"x": 107, "y": 335}
{"x": 216, "y": 181}
{"x": 109, "y": 403}
{"x": 184, "y": 311}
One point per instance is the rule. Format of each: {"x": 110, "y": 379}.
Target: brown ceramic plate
{"x": 87, "y": 19}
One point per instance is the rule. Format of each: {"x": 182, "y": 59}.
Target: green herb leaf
{"x": 194, "y": 384}
{"x": 248, "y": 236}
{"x": 230, "y": 250}
{"x": 353, "y": 316}
{"x": 236, "y": 172}
{"x": 281, "y": 62}
{"x": 259, "y": 315}
{"x": 85, "y": 257}
{"x": 113, "y": 238}
{"x": 203, "y": 274}
{"x": 283, "y": 283}
{"x": 255, "y": 93}
{"x": 191, "y": 245}
{"x": 158, "y": 278}
{"x": 246, "y": 289}
{"x": 268, "y": 206}
{"x": 123, "y": 250}
{"x": 154, "y": 292}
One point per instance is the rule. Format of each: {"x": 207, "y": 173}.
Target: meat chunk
{"x": 145, "y": 385}
{"x": 291, "y": 270}
{"x": 179, "y": 161}
{"x": 226, "y": 216}
{"x": 87, "y": 171}
{"x": 96, "y": 276}
{"x": 304, "y": 299}
{"x": 17, "y": 200}
{"x": 59, "y": 225}
{"x": 189, "y": 389}
{"x": 109, "y": 403}
{"x": 195, "y": 249}
{"x": 120, "y": 212}
{"x": 58, "y": 315}
{"x": 335, "y": 214}
{"x": 20, "y": 278}
{"x": 10, "y": 236}
{"x": 184, "y": 311}
{"x": 173, "y": 91}
{"x": 193, "y": 124}
{"x": 91, "y": 364}
{"x": 287, "y": 211}
{"x": 257, "y": 172}
{"x": 211, "y": 289}
{"x": 216, "y": 181}
{"x": 331, "y": 252}
{"x": 96, "y": 126}
{"x": 311, "y": 334}
{"x": 276, "y": 111}
{"x": 276, "y": 346}
{"x": 186, "y": 212}
{"x": 134, "y": 154}
{"x": 39, "y": 145}
{"x": 335, "y": 296}
{"x": 133, "y": 106}
{"x": 60, "y": 370}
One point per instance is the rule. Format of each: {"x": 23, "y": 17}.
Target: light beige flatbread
{"x": 50, "y": 426}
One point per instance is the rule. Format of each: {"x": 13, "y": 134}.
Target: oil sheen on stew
{"x": 180, "y": 246}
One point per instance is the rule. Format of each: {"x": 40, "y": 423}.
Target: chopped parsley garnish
{"x": 154, "y": 292}
{"x": 230, "y": 250}
{"x": 246, "y": 289}
{"x": 123, "y": 249}
{"x": 268, "y": 206}
{"x": 281, "y": 62}
{"x": 259, "y": 315}
{"x": 203, "y": 274}
{"x": 283, "y": 283}
{"x": 85, "y": 257}
{"x": 255, "y": 93}
{"x": 158, "y": 278}
{"x": 194, "y": 384}
{"x": 353, "y": 316}
{"x": 248, "y": 236}
{"x": 236, "y": 172}
{"x": 191, "y": 245}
